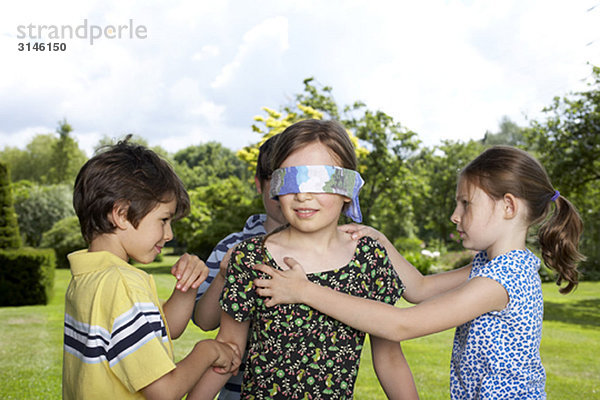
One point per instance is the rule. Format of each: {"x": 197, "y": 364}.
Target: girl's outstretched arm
{"x": 392, "y": 370}
{"x": 450, "y": 309}
{"x": 418, "y": 287}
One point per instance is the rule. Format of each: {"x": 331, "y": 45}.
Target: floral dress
{"x": 294, "y": 351}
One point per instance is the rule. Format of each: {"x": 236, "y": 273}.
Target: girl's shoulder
{"x": 250, "y": 246}
{"x": 367, "y": 243}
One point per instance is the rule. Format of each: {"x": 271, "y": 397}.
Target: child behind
{"x": 498, "y": 311}
{"x": 295, "y": 351}
{"x": 117, "y": 341}
{"x": 207, "y": 311}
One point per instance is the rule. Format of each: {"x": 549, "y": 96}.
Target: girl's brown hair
{"x": 503, "y": 169}
{"x": 331, "y": 133}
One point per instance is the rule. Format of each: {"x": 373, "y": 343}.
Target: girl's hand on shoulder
{"x": 190, "y": 272}
{"x": 357, "y": 231}
{"x": 284, "y": 287}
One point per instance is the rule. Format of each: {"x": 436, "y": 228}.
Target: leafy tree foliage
{"x": 510, "y": 134}
{"x": 385, "y": 169}
{"x": 39, "y": 207}
{"x": 47, "y": 159}
{"x": 217, "y": 210}
{"x": 434, "y": 197}
{"x": 34, "y": 162}
{"x": 568, "y": 144}
{"x": 207, "y": 163}
{"x": 64, "y": 237}
{"x": 133, "y": 138}
{"x": 9, "y": 228}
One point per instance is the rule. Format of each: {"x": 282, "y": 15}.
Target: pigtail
{"x": 559, "y": 241}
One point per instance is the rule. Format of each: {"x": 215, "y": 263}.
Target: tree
{"x": 569, "y": 138}
{"x": 47, "y": 158}
{"x": 64, "y": 237}
{"x": 568, "y": 145}
{"x": 208, "y": 163}
{"x": 217, "y": 210}
{"x": 510, "y": 134}
{"x": 34, "y": 162}
{"x": 39, "y": 207}
{"x": 67, "y": 158}
{"x": 133, "y": 138}
{"x": 434, "y": 199}
{"x": 9, "y": 227}
{"x": 384, "y": 166}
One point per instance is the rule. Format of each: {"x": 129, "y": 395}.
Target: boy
{"x": 207, "y": 311}
{"x": 117, "y": 334}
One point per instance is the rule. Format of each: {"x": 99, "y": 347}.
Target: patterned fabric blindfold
{"x": 319, "y": 179}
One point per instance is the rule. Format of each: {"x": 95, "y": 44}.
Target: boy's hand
{"x": 357, "y": 231}
{"x": 190, "y": 272}
{"x": 228, "y": 358}
{"x": 284, "y": 287}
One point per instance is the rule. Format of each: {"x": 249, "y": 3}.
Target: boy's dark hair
{"x": 124, "y": 173}
{"x": 263, "y": 164}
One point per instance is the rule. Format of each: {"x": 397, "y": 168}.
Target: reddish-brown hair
{"x": 503, "y": 169}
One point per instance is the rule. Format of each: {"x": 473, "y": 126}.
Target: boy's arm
{"x": 179, "y": 381}
{"x": 392, "y": 370}
{"x": 231, "y": 331}
{"x": 190, "y": 272}
{"x": 207, "y": 312}
{"x": 418, "y": 287}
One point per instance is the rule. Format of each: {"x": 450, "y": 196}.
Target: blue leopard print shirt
{"x": 497, "y": 355}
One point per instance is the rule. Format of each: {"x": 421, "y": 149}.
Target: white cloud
{"x": 446, "y": 70}
{"x": 206, "y": 52}
{"x": 271, "y": 34}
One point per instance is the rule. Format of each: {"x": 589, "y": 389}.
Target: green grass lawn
{"x": 31, "y": 347}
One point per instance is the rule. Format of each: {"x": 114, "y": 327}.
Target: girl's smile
{"x": 305, "y": 212}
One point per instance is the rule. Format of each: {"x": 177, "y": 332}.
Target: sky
{"x": 185, "y": 72}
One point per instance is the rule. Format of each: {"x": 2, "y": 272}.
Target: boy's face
{"x": 154, "y": 230}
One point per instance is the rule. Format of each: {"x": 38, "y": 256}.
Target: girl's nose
{"x": 454, "y": 217}
{"x": 303, "y": 196}
{"x": 168, "y": 233}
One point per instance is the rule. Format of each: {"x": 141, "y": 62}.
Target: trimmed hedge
{"x": 9, "y": 226}
{"x": 26, "y": 276}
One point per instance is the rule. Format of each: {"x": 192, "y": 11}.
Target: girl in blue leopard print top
{"x": 495, "y": 302}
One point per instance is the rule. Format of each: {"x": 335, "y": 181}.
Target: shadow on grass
{"x": 585, "y": 313}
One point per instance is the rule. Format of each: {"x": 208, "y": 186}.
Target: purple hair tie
{"x": 555, "y": 196}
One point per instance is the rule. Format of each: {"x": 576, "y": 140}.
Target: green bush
{"x": 26, "y": 276}
{"x": 39, "y": 207}
{"x": 64, "y": 237}
{"x": 406, "y": 244}
{"x": 216, "y": 211}
{"x": 419, "y": 261}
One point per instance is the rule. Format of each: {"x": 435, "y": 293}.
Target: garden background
{"x": 409, "y": 196}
